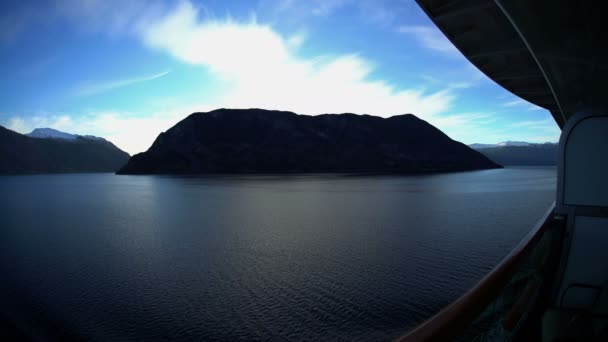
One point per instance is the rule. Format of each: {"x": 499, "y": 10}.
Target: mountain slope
{"x": 256, "y": 140}
{"x": 23, "y": 154}
{"x": 522, "y": 155}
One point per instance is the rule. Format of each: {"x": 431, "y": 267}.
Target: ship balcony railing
{"x": 506, "y": 304}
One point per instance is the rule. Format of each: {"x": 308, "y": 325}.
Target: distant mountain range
{"x": 263, "y": 141}
{"x": 501, "y": 144}
{"x": 46, "y": 150}
{"x": 519, "y": 153}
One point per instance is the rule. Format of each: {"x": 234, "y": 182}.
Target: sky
{"x": 129, "y": 70}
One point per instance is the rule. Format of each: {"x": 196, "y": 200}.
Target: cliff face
{"x": 261, "y": 141}
{"x": 23, "y": 154}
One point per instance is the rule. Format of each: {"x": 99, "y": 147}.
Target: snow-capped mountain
{"x": 46, "y": 133}
{"x": 49, "y": 133}
{"x": 504, "y": 143}
{"x": 514, "y": 143}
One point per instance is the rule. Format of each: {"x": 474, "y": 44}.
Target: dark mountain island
{"x": 520, "y": 153}
{"x": 49, "y": 151}
{"x": 263, "y": 141}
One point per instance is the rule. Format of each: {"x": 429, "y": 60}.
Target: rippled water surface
{"x": 315, "y": 257}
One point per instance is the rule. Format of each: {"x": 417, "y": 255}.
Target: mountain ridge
{"x": 265, "y": 141}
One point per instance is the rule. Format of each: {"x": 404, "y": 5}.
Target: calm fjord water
{"x": 315, "y": 257}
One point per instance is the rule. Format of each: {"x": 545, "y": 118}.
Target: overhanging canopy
{"x": 551, "y": 53}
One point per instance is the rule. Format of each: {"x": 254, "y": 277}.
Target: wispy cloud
{"x": 469, "y": 127}
{"x": 92, "y": 88}
{"x": 449, "y": 84}
{"x": 298, "y": 10}
{"x": 325, "y": 7}
{"x": 490, "y": 128}
{"x": 546, "y": 124}
{"x": 533, "y": 107}
{"x": 430, "y": 38}
{"x": 380, "y": 13}
{"x": 530, "y": 107}
{"x": 514, "y": 103}
{"x": 535, "y": 131}
{"x": 540, "y": 130}
{"x": 464, "y": 119}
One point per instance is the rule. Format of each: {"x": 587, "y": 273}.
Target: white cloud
{"x": 431, "y": 38}
{"x": 262, "y": 69}
{"x": 92, "y": 88}
{"x": 17, "y": 124}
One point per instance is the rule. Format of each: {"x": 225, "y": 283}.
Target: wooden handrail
{"x": 452, "y": 321}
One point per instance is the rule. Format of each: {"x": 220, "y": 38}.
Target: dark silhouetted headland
{"x": 263, "y": 141}
{"x": 50, "y": 151}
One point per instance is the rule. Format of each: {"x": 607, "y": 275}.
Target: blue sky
{"x": 128, "y": 70}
